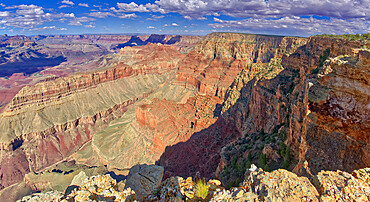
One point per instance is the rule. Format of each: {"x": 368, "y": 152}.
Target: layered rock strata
{"x": 212, "y": 65}
{"x": 33, "y": 136}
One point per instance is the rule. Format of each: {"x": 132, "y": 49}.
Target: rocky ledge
{"x": 258, "y": 185}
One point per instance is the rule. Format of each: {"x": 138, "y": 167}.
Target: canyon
{"x": 189, "y": 104}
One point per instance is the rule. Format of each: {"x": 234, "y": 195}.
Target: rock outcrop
{"x": 98, "y": 188}
{"x": 143, "y": 179}
{"x": 279, "y": 185}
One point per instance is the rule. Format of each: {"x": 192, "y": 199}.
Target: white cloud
{"x": 90, "y": 26}
{"x": 158, "y": 16}
{"x": 84, "y": 5}
{"x": 78, "y": 21}
{"x": 101, "y": 14}
{"x": 295, "y": 26}
{"x": 131, "y": 7}
{"x": 47, "y": 28}
{"x": 2, "y": 5}
{"x": 4, "y": 14}
{"x": 344, "y": 9}
{"x": 25, "y": 16}
{"x": 151, "y": 27}
{"x": 348, "y": 12}
{"x": 68, "y": 15}
{"x": 63, "y": 6}
{"x": 127, "y": 16}
{"x": 174, "y": 24}
{"x": 67, "y": 2}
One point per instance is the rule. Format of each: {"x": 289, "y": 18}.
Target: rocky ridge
{"x": 258, "y": 185}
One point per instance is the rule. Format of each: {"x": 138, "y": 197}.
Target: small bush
{"x": 315, "y": 71}
{"x": 201, "y": 189}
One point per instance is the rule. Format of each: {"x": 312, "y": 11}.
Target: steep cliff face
{"x": 281, "y": 102}
{"x": 213, "y": 64}
{"x": 338, "y": 125}
{"x": 324, "y": 115}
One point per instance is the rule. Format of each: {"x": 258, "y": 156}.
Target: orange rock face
{"x": 213, "y": 64}
{"x": 172, "y": 122}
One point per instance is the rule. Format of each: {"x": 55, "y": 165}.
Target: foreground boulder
{"x": 278, "y": 185}
{"x": 95, "y": 188}
{"x": 143, "y": 179}
{"x": 343, "y": 186}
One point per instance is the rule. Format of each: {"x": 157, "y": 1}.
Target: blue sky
{"x": 191, "y": 17}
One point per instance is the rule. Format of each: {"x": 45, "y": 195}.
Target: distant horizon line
{"x": 136, "y": 34}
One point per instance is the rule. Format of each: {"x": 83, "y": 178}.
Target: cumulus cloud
{"x": 157, "y": 16}
{"x": 101, "y": 14}
{"x": 271, "y": 13}
{"x": 25, "y": 16}
{"x": 295, "y": 25}
{"x": 174, "y": 24}
{"x": 90, "y": 26}
{"x": 151, "y": 27}
{"x": 84, "y": 5}
{"x": 78, "y": 21}
{"x": 48, "y": 28}
{"x": 63, "y": 6}
{"x": 31, "y": 17}
{"x": 67, "y": 2}
{"x": 4, "y": 14}
{"x": 127, "y": 16}
{"x": 273, "y": 8}
{"x": 131, "y": 7}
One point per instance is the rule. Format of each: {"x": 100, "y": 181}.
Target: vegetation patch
{"x": 351, "y": 37}
{"x": 201, "y": 189}
{"x": 266, "y": 150}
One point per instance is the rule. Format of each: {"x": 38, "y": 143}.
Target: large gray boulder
{"x": 143, "y": 179}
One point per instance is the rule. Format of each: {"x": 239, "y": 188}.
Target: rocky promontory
{"x": 257, "y": 185}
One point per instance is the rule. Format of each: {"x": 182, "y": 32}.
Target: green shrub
{"x": 323, "y": 57}
{"x": 250, "y": 156}
{"x": 262, "y": 160}
{"x": 201, "y": 189}
{"x": 315, "y": 71}
{"x": 248, "y": 165}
